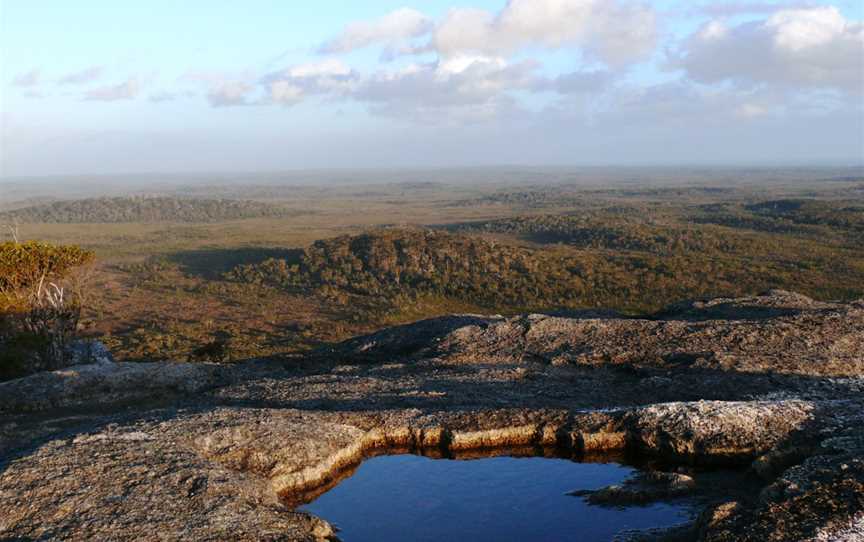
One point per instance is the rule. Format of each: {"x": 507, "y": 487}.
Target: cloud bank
{"x": 473, "y": 64}
{"x": 795, "y": 48}
{"x": 588, "y": 63}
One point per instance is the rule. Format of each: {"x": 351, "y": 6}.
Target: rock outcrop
{"x": 771, "y": 383}
{"x": 104, "y": 384}
{"x": 776, "y": 332}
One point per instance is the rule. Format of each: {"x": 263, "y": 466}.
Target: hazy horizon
{"x": 332, "y": 173}
{"x": 106, "y": 88}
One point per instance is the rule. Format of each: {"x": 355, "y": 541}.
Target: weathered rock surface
{"x": 89, "y": 352}
{"x": 777, "y": 332}
{"x": 178, "y": 451}
{"x": 104, "y": 383}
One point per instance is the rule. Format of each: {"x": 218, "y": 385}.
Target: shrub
{"x": 40, "y": 305}
{"x": 31, "y": 265}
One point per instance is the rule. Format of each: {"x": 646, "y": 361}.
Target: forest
{"x": 626, "y": 266}
{"x": 141, "y": 209}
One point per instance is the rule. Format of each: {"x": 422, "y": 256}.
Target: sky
{"x": 107, "y": 87}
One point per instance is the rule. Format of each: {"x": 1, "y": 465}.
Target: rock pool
{"x": 411, "y": 497}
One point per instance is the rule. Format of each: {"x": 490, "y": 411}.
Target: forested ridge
{"x": 618, "y": 233}
{"x": 142, "y": 209}
{"x": 394, "y": 265}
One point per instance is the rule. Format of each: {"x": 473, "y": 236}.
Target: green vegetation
{"x": 814, "y": 218}
{"x": 40, "y": 305}
{"x": 345, "y": 259}
{"x": 547, "y": 197}
{"x": 384, "y": 265}
{"x": 845, "y": 215}
{"x": 613, "y": 231}
{"x": 572, "y": 196}
{"x": 142, "y": 209}
{"x": 631, "y": 268}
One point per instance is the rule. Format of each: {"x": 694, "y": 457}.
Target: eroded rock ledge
{"x": 297, "y": 452}
{"x": 177, "y": 451}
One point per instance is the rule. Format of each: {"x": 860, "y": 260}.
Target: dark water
{"x": 414, "y": 498}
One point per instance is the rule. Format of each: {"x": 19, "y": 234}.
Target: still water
{"x": 414, "y": 498}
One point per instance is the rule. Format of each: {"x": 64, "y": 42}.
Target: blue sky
{"x": 122, "y": 87}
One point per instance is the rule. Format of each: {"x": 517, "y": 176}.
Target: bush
{"x": 23, "y": 266}
{"x": 40, "y": 305}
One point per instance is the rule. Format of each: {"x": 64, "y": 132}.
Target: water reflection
{"x": 411, "y": 497}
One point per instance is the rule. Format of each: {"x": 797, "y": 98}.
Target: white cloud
{"x": 476, "y": 74}
{"x": 127, "y": 90}
{"x": 285, "y": 93}
{"x": 288, "y": 86}
{"x": 395, "y": 29}
{"x": 86, "y": 75}
{"x": 229, "y": 93}
{"x": 293, "y": 84}
{"x": 466, "y": 30}
{"x": 463, "y": 89}
{"x": 616, "y": 32}
{"x": 222, "y": 89}
{"x": 466, "y": 88}
{"x": 329, "y": 67}
{"x": 731, "y": 9}
{"x": 796, "y": 30}
{"x": 797, "y": 48}
{"x": 29, "y": 79}
{"x": 459, "y": 64}
{"x": 165, "y": 96}
{"x": 790, "y": 56}
{"x": 612, "y": 31}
